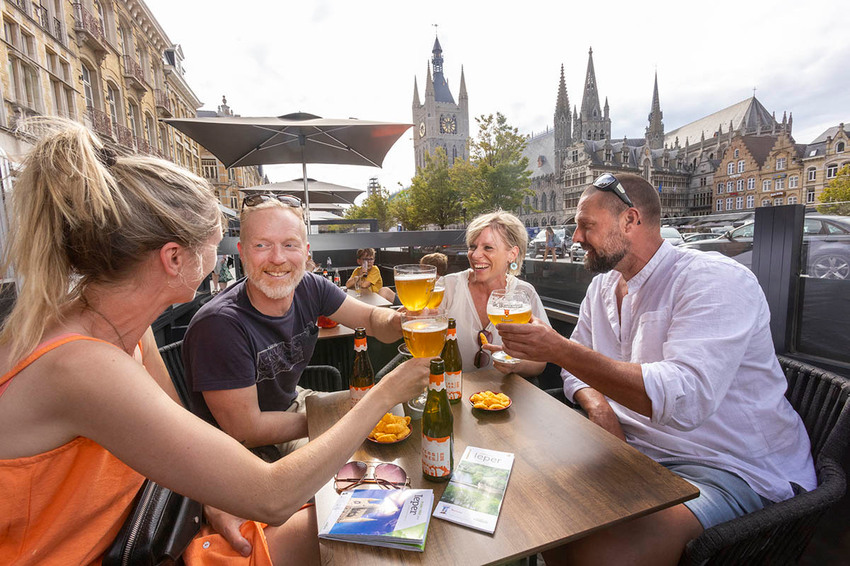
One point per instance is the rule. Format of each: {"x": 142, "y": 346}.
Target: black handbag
{"x": 158, "y": 530}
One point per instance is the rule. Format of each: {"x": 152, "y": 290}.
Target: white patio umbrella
{"x": 293, "y": 138}
{"x": 318, "y": 191}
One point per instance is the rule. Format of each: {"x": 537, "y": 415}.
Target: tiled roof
{"x": 750, "y": 113}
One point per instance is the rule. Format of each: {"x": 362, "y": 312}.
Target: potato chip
{"x": 490, "y": 401}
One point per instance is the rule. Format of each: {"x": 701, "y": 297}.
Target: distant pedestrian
{"x": 222, "y": 273}
{"x": 552, "y": 243}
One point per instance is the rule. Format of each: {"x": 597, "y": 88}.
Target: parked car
{"x": 537, "y": 246}
{"x": 672, "y": 235}
{"x": 697, "y": 236}
{"x": 576, "y": 253}
{"x": 826, "y": 245}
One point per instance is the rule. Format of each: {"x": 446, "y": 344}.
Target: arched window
{"x": 552, "y": 201}
{"x": 839, "y": 147}
{"x": 543, "y": 202}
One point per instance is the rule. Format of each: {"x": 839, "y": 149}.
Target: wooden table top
{"x": 569, "y": 477}
{"x": 338, "y": 331}
{"x": 369, "y": 298}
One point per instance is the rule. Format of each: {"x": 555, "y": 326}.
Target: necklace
{"x": 88, "y": 306}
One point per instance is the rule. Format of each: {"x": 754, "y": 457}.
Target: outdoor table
{"x": 369, "y": 298}
{"x": 569, "y": 478}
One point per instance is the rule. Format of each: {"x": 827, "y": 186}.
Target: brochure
{"x": 474, "y": 495}
{"x": 395, "y": 518}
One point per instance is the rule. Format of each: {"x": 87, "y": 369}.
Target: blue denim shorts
{"x": 722, "y": 495}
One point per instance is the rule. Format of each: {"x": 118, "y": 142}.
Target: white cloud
{"x": 339, "y": 58}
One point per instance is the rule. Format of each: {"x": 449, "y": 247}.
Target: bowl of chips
{"x": 489, "y": 401}
{"x": 390, "y": 429}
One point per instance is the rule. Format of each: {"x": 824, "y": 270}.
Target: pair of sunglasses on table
{"x": 255, "y": 200}
{"x": 355, "y": 474}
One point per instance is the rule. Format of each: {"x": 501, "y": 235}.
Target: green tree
{"x": 496, "y": 175}
{"x": 837, "y": 192}
{"x": 403, "y": 210}
{"x": 433, "y": 195}
{"x": 375, "y": 206}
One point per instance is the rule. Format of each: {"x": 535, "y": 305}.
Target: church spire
{"x": 593, "y": 125}
{"x": 655, "y": 130}
{"x": 416, "y": 103}
{"x": 462, "y": 96}
{"x": 563, "y": 124}
{"x": 441, "y": 85}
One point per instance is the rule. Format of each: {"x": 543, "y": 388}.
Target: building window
{"x": 719, "y": 207}
{"x": 778, "y": 201}
{"x": 728, "y": 186}
{"x": 810, "y": 197}
{"x": 811, "y": 174}
{"x": 739, "y": 203}
{"x": 87, "y": 90}
{"x": 765, "y": 202}
{"x": 719, "y": 188}
{"x": 765, "y": 185}
{"x": 751, "y": 183}
{"x": 133, "y": 118}
{"x": 780, "y": 163}
{"x": 608, "y": 155}
{"x": 793, "y": 181}
{"x": 574, "y": 156}
{"x": 729, "y": 203}
{"x": 839, "y": 147}
{"x": 751, "y": 201}
{"x": 739, "y": 185}
{"x": 730, "y": 168}
{"x": 741, "y": 164}
{"x": 231, "y": 174}
{"x": 831, "y": 171}
{"x": 737, "y": 153}
{"x": 111, "y": 103}
{"x": 780, "y": 184}
{"x": 792, "y": 199}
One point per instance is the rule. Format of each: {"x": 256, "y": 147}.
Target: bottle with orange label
{"x": 437, "y": 427}
{"x": 454, "y": 363}
{"x": 362, "y": 377}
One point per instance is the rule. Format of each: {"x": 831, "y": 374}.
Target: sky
{"x": 340, "y": 59}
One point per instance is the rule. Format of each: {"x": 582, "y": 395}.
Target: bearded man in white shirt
{"x": 672, "y": 353}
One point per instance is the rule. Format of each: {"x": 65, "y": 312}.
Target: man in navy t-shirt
{"x": 244, "y": 351}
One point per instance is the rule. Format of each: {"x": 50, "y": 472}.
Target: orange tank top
{"x": 64, "y": 506}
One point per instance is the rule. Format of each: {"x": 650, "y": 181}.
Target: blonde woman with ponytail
{"x": 101, "y": 244}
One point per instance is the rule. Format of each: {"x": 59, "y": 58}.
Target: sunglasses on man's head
{"x": 254, "y": 200}
{"x": 385, "y": 476}
{"x": 482, "y": 356}
{"x": 609, "y": 183}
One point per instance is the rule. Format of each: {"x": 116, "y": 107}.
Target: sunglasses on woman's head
{"x": 384, "y": 475}
{"x": 609, "y": 183}
{"x": 482, "y": 356}
{"x": 254, "y": 200}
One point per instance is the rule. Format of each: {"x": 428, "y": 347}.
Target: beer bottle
{"x": 454, "y": 363}
{"x": 437, "y": 427}
{"x": 362, "y": 377}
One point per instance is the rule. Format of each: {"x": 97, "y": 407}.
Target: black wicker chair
{"x": 779, "y": 533}
{"x": 318, "y": 378}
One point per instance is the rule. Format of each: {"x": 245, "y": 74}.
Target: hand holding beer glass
{"x": 505, "y": 306}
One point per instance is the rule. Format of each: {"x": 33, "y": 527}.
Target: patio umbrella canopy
{"x": 320, "y": 192}
{"x": 293, "y": 138}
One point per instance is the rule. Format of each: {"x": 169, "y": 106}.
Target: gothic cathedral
{"x": 439, "y": 121}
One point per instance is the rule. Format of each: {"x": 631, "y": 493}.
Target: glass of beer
{"x": 513, "y": 307}
{"x": 437, "y": 295}
{"x": 414, "y": 284}
{"x": 424, "y": 334}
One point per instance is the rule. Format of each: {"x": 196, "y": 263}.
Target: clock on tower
{"x": 448, "y": 124}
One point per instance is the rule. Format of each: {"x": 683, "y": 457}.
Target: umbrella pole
{"x": 302, "y": 139}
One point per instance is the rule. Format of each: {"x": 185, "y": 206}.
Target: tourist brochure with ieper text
{"x": 475, "y": 492}
{"x": 395, "y": 518}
